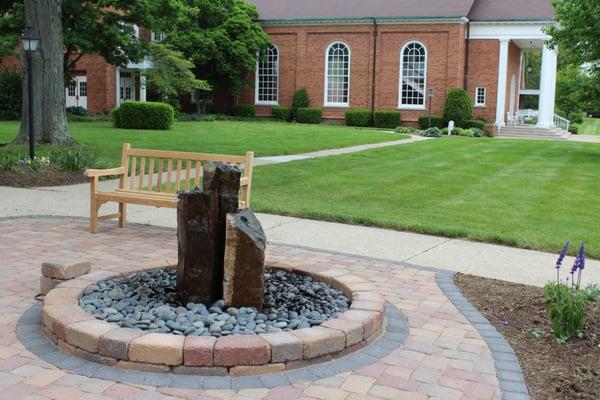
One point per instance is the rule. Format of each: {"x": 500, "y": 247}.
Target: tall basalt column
{"x": 197, "y": 223}
{"x": 201, "y": 217}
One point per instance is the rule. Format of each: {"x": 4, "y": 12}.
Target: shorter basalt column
{"x": 245, "y": 244}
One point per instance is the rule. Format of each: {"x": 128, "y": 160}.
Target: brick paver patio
{"x": 445, "y": 355}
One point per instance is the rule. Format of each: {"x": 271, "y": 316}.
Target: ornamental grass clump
{"x": 566, "y": 301}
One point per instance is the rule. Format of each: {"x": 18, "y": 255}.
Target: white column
{"x": 142, "y": 87}
{"x": 547, "y": 88}
{"x": 502, "y": 73}
{"x": 118, "y": 87}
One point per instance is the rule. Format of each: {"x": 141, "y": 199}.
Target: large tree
{"x": 221, "y": 38}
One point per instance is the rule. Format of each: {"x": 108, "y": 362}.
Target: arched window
{"x": 267, "y": 77}
{"x": 337, "y": 75}
{"x": 413, "y": 76}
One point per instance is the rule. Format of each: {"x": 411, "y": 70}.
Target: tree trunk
{"x": 49, "y": 110}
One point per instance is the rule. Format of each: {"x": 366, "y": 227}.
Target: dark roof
{"x": 484, "y": 10}
{"x": 509, "y": 10}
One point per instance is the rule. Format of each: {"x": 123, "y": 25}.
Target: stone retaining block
{"x": 370, "y": 320}
{"x": 284, "y": 346}
{"x": 353, "y": 330}
{"x": 241, "y": 350}
{"x": 65, "y": 271}
{"x": 198, "y": 351}
{"x": 115, "y": 343}
{"x": 86, "y": 334}
{"x": 318, "y": 341}
{"x": 157, "y": 348}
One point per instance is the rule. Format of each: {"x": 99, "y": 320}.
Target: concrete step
{"x": 532, "y": 132}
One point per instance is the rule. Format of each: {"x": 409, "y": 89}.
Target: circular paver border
{"x": 77, "y": 332}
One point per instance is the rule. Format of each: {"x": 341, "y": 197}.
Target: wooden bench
{"x": 153, "y": 188}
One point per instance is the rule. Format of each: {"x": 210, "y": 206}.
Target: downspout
{"x": 466, "y": 81}
{"x": 374, "y": 77}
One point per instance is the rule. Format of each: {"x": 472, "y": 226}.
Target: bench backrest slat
{"x": 134, "y": 161}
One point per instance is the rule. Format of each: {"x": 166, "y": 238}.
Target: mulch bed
{"x": 49, "y": 175}
{"x": 552, "y": 370}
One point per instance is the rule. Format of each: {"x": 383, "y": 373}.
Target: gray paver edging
{"x": 508, "y": 370}
{"x": 29, "y": 333}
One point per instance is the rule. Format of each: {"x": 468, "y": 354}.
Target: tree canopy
{"x": 221, "y": 38}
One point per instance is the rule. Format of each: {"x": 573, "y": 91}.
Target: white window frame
{"x": 326, "y": 103}
{"x": 425, "y": 97}
{"x": 256, "y": 81}
{"x": 158, "y": 36}
{"x": 477, "y": 103}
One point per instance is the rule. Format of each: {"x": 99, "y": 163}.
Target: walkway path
{"x": 447, "y": 351}
{"x": 336, "y": 152}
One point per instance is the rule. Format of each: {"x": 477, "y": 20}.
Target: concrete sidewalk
{"x": 501, "y": 262}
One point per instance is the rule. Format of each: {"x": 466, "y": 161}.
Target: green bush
{"x": 474, "y": 123}
{"x": 243, "y": 110}
{"x": 407, "y": 130}
{"x": 309, "y": 115}
{"x": 359, "y": 117}
{"x": 11, "y": 95}
{"x": 574, "y": 129}
{"x": 143, "y": 115}
{"x": 432, "y": 132}
{"x": 458, "y": 108}
{"x": 282, "y": 113}
{"x": 577, "y": 117}
{"x": 593, "y": 292}
{"x": 478, "y": 132}
{"x": 436, "y": 122}
{"x": 80, "y": 111}
{"x": 389, "y": 119}
{"x": 300, "y": 100}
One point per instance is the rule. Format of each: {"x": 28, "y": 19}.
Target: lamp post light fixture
{"x": 30, "y": 41}
{"x": 430, "y": 101}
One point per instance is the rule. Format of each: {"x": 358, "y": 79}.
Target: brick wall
{"x": 302, "y": 63}
{"x": 483, "y": 72}
{"x": 100, "y": 82}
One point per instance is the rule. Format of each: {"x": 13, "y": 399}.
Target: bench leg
{"x": 122, "y": 215}
{"x": 94, "y": 209}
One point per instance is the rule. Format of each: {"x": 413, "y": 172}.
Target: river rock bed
{"x": 148, "y": 301}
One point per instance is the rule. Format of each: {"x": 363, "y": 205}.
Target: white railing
{"x": 562, "y": 123}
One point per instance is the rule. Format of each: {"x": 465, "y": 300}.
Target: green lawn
{"x": 226, "y": 137}
{"x": 590, "y": 126}
{"x": 531, "y": 194}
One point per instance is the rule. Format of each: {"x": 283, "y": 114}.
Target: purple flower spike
{"x": 580, "y": 260}
{"x": 562, "y": 255}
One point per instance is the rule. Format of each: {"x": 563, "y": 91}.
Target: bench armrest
{"x": 92, "y": 173}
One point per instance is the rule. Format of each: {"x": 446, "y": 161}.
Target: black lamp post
{"x": 30, "y": 41}
{"x": 430, "y": 103}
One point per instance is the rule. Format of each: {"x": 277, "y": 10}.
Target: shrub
{"x": 478, "y": 132}
{"x": 282, "y": 113}
{"x": 432, "y": 132}
{"x": 566, "y": 302}
{"x": 458, "y": 108}
{"x": 593, "y": 292}
{"x": 80, "y": 111}
{"x": 574, "y": 129}
{"x": 359, "y": 117}
{"x": 407, "y": 130}
{"x": 577, "y": 117}
{"x": 243, "y": 110}
{"x": 444, "y": 132}
{"x": 436, "y": 122}
{"x": 300, "y": 100}
{"x": 143, "y": 115}
{"x": 387, "y": 119}
{"x": 10, "y": 95}
{"x": 474, "y": 123}
{"x": 309, "y": 115}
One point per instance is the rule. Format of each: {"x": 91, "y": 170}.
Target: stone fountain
{"x": 221, "y": 249}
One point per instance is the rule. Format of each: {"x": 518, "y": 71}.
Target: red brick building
{"x": 380, "y": 54}
{"x": 389, "y": 54}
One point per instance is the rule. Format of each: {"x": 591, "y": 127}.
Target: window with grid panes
{"x": 267, "y": 77}
{"x": 480, "y": 96}
{"x": 413, "y": 74}
{"x": 337, "y": 82}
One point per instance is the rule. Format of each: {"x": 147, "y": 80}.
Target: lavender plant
{"x": 566, "y": 301}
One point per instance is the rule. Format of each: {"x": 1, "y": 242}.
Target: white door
{"x": 76, "y": 92}
{"x": 127, "y": 89}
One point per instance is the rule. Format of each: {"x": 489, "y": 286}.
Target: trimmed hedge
{"x": 243, "y": 110}
{"x": 80, "y": 111}
{"x": 309, "y": 115}
{"x": 474, "y": 123}
{"x": 574, "y": 129}
{"x": 282, "y": 113}
{"x": 387, "y": 119}
{"x": 359, "y": 117}
{"x": 436, "y": 122}
{"x": 458, "y": 108}
{"x": 144, "y": 115}
{"x": 300, "y": 100}
{"x": 432, "y": 132}
{"x": 11, "y": 95}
